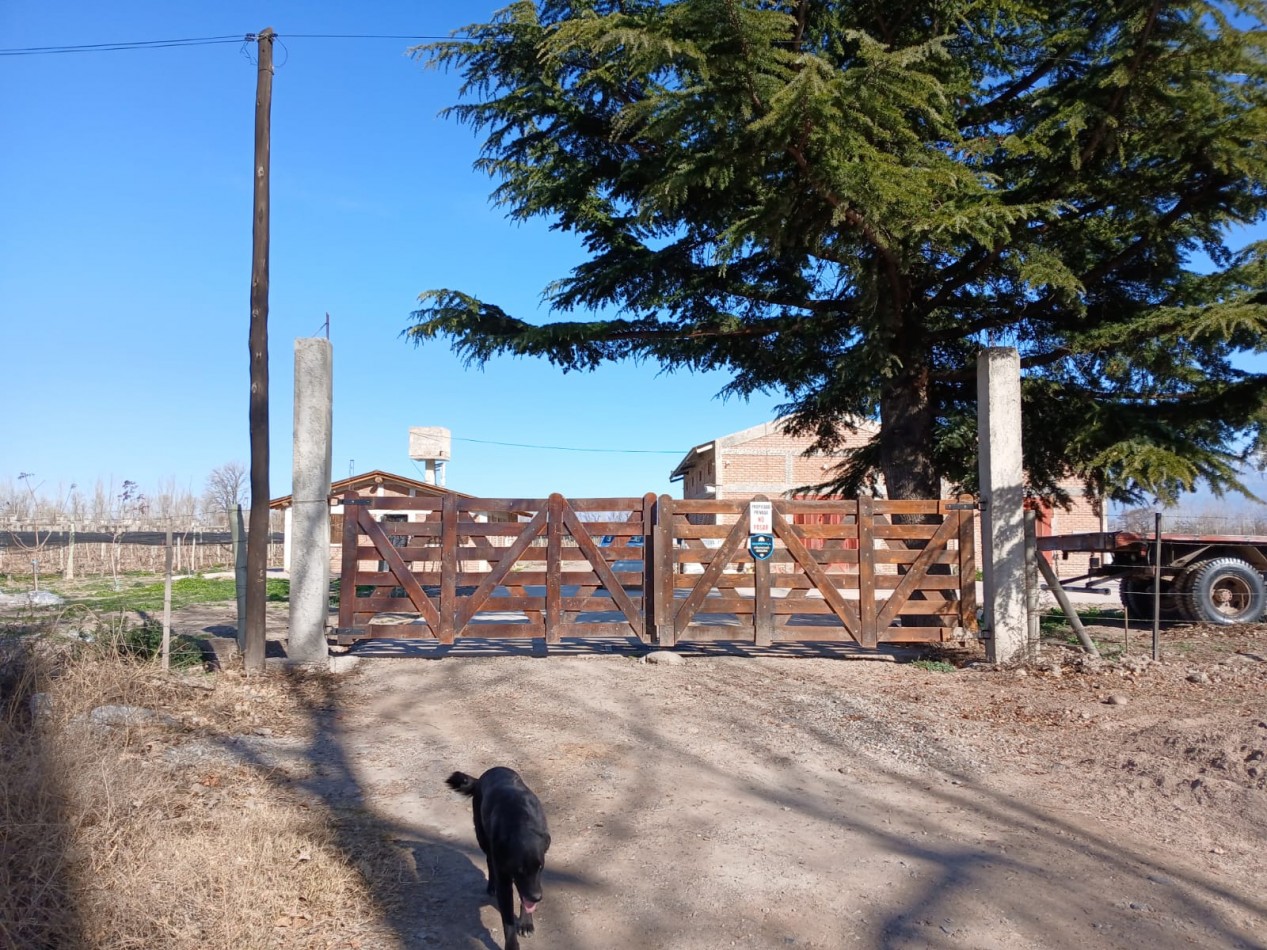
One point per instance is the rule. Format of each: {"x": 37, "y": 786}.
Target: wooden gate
{"x": 661, "y": 570}
{"x": 839, "y": 570}
{"x": 485, "y": 567}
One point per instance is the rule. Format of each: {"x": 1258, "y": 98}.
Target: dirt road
{"x": 759, "y": 802}
{"x": 819, "y": 803}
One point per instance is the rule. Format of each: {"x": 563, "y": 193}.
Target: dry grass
{"x": 107, "y": 841}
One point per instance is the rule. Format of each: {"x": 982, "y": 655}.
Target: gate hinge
{"x": 964, "y": 506}
{"x": 352, "y": 501}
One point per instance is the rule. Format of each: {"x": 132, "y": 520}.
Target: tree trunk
{"x": 906, "y": 457}
{"x": 907, "y": 433}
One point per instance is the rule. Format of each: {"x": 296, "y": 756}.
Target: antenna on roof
{"x": 351, "y": 467}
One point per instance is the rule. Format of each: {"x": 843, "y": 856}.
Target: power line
{"x": 571, "y": 448}
{"x": 125, "y": 45}
{"x": 363, "y": 36}
{"x": 202, "y": 41}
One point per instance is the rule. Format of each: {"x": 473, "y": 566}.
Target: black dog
{"x": 510, "y": 826}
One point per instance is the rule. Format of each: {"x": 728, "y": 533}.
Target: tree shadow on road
{"x": 951, "y": 851}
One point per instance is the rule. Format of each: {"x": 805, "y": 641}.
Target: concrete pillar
{"x": 310, "y": 521}
{"x": 1002, "y": 497}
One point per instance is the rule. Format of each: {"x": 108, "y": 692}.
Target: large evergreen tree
{"x": 843, "y": 201}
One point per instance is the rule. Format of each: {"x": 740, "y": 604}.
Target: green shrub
{"x": 935, "y": 666}
{"x": 144, "y": 641}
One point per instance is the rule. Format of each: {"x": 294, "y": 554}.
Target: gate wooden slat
{"x": 911, "y": 581}
{"x": 473, "y": 603}
{"x": 663, "y": 579}
{"x": 449, "y": 567}
{"x": 868, "y": 615}
{"x": 578, "y": 603}
{"x": 727, "y": 604}
{"x": 848, "y": 616}
{"x": 504, "y": 629}
{"x": 601, "y": 568}
{"x": 554, "y": 568}
{"x": 763, "y": 609}
{"x": 650, "y": 557}
{"x": 967, "y": 567}
{"x": 400, "y": 570}
{"x": 587, "y": 630}
{"x": 347, "y": 576}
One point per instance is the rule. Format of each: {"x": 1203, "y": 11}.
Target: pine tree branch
{"x": 1177, "y": 210}
{"x": 1119, "y": 96}
{"x": 953, "y": 282}
{"x": 891, "y": 268}
{"x": 985, "y": 112}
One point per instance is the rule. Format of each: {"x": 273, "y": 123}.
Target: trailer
{"x": 1203, "y": 578}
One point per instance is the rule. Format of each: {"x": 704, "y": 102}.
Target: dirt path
{"x": 778, "y": 802}
{"x": 771, "y": 803}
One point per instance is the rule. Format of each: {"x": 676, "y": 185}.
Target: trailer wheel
{"x": 1183, "y": 596}
{"x": 1226, "y": 590}
{"x": 1137, "y": 597}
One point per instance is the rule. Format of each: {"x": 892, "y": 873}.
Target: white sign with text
{"x": 761, "y": 517}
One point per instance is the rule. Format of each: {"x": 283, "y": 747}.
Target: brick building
{"x": 766, "y": 460}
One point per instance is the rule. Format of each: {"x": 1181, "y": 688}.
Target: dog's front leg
{"x": 524, "y": 924}
{"x": 506, "y": 905}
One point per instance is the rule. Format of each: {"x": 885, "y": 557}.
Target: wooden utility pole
{"x": 258, "y": 534}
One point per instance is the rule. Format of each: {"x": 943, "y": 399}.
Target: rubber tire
{"x": 1136, "y": 594}
{"x": 1204, "y": 578}
{"x": 1183, "y": 597}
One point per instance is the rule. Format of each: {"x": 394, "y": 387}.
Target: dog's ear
{"x": 545, "y": 845}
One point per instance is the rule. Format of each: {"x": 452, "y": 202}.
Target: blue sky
{"x": 125, "y": 259}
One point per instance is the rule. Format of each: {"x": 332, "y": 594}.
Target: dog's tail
{"x": 461, "y": 782}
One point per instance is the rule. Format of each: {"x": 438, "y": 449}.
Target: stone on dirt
{"x": 664, "y": 656}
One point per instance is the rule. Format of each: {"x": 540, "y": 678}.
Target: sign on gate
{"x": 761, "y": 517}
{"x": 761, "y": 546}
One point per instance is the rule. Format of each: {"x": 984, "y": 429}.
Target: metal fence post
{"x": 1157, "y": 586}
{"x": 1031, "y": 581}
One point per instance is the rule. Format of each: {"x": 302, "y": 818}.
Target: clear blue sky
{"x": 125, "y": 254}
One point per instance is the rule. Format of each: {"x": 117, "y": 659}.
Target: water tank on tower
{"x": 431, "y": 446}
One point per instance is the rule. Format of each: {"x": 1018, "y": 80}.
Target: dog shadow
{"x": 450, "y": 894}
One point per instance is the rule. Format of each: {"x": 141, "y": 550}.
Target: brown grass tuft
{"x": 107, "y": 841}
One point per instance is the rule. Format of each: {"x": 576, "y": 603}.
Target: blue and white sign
{"x": 761, "y": 546}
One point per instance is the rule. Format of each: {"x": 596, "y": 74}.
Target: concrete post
{"x": 1002, "y": 497}
{"x": 310, "y": 521}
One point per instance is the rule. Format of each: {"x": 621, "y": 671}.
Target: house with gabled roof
{"x": 376, "y": 483}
